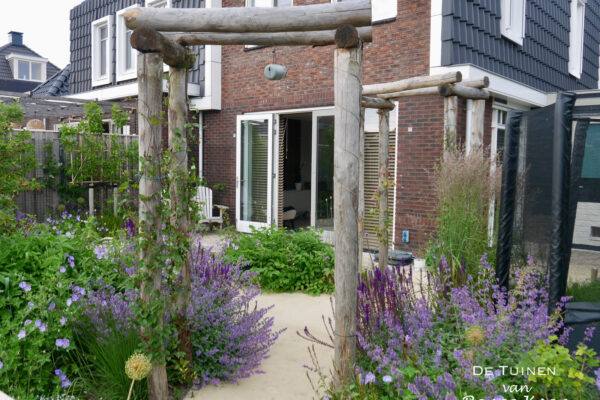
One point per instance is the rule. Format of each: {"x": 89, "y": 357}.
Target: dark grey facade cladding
{"x": 87, "y": 12}
{"x": 471, "y": 35}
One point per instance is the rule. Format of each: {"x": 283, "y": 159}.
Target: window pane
{"x": 103, "y": 55}
{"x": 103, "y": 32}
{"x": 36, "y": 71}
{"x": 283, "y": 3}
{"x": 23, "y": 70}
{"x": 128, "y": 51}
{"x": 260, "y": 3}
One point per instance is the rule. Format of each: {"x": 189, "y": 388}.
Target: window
{"x": 158, "y": 3}
{"x": 499, "y": 116}
{"x": 381, "y": 10}
{"x": 512, "y": 21}
{"x": 269, "y": 3}
{"x": 126, "y": 55}
{"x": 27, "y": 68}
{"x": 576, "y": 37}
{"x": 102, "y": 51}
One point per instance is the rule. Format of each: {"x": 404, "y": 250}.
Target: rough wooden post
{"x": 450, "y": 105}
{"x": 178, "y": 171}
{"x": 150, "y": 71}
{"x": 347, "y": 78}
{"x": 382, "y": 191}
{"x": 477, "y": 125}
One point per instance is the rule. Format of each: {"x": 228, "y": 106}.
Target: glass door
{"x": 322, "y": 173}
{"x": 254, "y": 169}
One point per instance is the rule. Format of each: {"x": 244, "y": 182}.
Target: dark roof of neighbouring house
{"x": 57, "y": 85}
{"x": 18, "y": 86}
{"x": 6, "y": 72}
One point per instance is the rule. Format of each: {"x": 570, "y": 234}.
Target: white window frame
{"x": 512, "y": 21}
{"x": 378, "y": 11}
{"x": 576, "y": 36}
{"x": 272, "y": 2}
{"x": 97, "y": 79}
{"x": 13, "y": 60}
{"x": 155, "y": 3}
{"x": 121, "y": 46}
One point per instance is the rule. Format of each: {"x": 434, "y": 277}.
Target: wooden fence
{"x": 44, "y": 203}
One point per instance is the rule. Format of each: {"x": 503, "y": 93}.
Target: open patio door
{"x": 322, "y": 173}
{"x": 254, "y": 171}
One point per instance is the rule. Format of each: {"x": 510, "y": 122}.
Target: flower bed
{"x": 446, "y": 341}
{"x": 68, "y": 312}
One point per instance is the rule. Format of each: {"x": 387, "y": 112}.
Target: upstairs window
{"x": 126, "y": 55}
{"x": 269, "y": 3}
{"x": 381, "y": 10}
{"x": 576, "y": 37}
{"x": 158, "y": 3}
{"x": 102, "y": 51}
{"x": 27, "y": 68}
{"x": 512, "y": 21}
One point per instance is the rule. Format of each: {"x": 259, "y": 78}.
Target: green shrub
{"x": 45, "y": 271}
{"x": 584, "y": 291}
{"x": 464, "y": 188}
{"x": 286, "y": 261}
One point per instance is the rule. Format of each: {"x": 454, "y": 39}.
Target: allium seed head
{"x": 138, "y": 367}
{"x": 475, "y": 335}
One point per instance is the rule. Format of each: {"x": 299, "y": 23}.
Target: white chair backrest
{"x": 205, "y": 200}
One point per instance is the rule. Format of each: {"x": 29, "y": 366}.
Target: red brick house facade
{"x": 400, "y": 49}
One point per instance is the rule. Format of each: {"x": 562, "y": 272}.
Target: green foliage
{"x": 92, "y": 157}
{"x": 464, "y": 188}
{"x": 17, "y": 160}
{"x": 286, "y": 261}
{"x": 584, "y": 291}
{"x": 570, "y": 377}
{"x": 40, "y": 268}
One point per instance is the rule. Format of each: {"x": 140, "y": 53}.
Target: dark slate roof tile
{"x": 57, "y": 85}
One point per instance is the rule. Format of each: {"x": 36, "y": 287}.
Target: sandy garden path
{"x": 285, "y": 376}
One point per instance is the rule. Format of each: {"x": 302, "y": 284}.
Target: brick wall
{"x": 400, "y": 50}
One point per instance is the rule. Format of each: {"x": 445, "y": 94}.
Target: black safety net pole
{"x": 561, "y": 163}
{"x": 507, "y": 198}
{"x": 576, "y": 166}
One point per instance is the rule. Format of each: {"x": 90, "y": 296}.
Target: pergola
{"x": 161, "y": 35}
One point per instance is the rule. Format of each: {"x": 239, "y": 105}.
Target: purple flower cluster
{"x": 25, "y": 286}
{"x": 401, "y": 324}
{"x": 65, "y": 382}
{"x": 230, "y": 336}
{"x": 106, "y": 306}
{"x": 63, "y": 343}
{"x": 101, "y": 252}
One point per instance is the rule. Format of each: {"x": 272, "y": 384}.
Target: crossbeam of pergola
{"x": 379, "y": 96}
{"x": 161, "y": 35}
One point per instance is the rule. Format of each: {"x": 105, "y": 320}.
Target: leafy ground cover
{"x": 451, "y": 341}
{"x": 68, "y": 318}
{"x": 286, "y": 261}
{"x": 584, "y": 291}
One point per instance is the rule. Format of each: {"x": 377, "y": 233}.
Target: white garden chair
{"x": 204, "y": 198}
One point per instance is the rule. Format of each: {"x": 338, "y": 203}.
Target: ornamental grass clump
{"x": 465, "y": 188}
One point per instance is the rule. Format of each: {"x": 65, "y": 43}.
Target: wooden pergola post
{"x": 348, "y": 86}
{"x": 382, "y": 191}
{"x": 150, "y": 70}
{"x": 450, "y": 106}
{"x": 477, "y": 125}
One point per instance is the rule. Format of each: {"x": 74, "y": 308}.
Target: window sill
{"x": 126, "y": 76}
{"x": 518, "y": 40}
{"x": 101, "y": 82}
